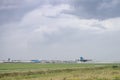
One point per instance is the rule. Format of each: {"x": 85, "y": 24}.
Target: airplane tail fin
{"x": 81, "y": 58}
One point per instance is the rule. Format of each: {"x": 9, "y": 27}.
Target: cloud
{"x": 102, "y": 9}
{"x": 49, "y": 30}
{"x": 14, "y": 10}
{"x": 112, "y": 24}
{"x": 9, "y": 4}
{"x": 109, "y": 4}
{"x": 50, "y": 19}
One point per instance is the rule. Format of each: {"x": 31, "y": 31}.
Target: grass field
{"x": 36, "y": 71}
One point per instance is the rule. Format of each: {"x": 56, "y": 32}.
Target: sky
{"x": 60, "y": 29}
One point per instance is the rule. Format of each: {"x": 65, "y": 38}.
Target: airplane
{"x": 84, "y": 60}
{"x": 35, "y": 61}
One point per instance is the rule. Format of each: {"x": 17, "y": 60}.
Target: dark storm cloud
{"x": 14, "y": 10}
{"x": 99, "y": 9}
{"x": 8, "y": 10}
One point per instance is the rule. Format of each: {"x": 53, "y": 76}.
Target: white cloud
{"x": 48, "y": 19}
{"x": 40, "y": 15}
{"x": 112, "y": 24}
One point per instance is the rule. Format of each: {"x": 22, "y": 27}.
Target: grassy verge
{"x": 62, "y": 72}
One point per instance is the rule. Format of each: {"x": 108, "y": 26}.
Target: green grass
{"x": 13, "y": 67}
{"x": 33, "y": 71}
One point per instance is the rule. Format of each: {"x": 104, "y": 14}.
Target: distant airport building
{"x": 1, "y": 61}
